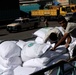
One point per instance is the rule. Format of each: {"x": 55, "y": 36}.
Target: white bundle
{"x": 9, "y": 49}
{"x": 33, "y": 50}
{"x": 13, "y": 61}
{"x": 39, "y": 40}
{"x": 6, "y": 71}
{"x": 24, "y": 70}
{"x": 9, "y": 57}
{"x": 21, "y": 43}
{"x": 36, "y": 62}
{"x": 42, "y": 34}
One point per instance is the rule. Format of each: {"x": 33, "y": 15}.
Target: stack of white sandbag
{"x": 30, "y": 50}
{"x": 33, "y": 50}
{"x": 9, "y": 57}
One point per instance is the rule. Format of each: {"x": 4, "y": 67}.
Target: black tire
{"x": 36, "y": 25}
{"x": 10, "y": 31}
{"x": 7, "y": 29}
{"x": 19, "y": 28}
{"x": 42, "y": 19}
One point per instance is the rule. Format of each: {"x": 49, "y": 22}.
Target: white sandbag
{"x": 15, "y": 61}
{"x": 1, "y": 71}
{"x": 36, "y": 62}
{"x": 10, "y": 62}
{"x": 8, "y": 72}
{"x": 33, "y": 50}
{"x": 39, "y": 40}
{"x": 43, "y": 33}
{"x": 9, "y": 49}
{"x": 3, "y": 68}
{"x": 24, "y": 70}
{"x": 21, "y": 43}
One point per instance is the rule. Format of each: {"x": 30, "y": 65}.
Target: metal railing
{"x": 60, "y": 64}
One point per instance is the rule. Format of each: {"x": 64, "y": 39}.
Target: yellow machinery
{"x": 53, "y": 11}
{"x": 73, "y": 7}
